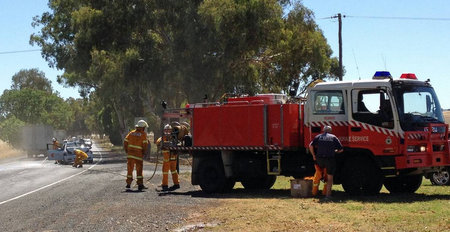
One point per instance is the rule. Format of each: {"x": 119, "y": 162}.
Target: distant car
{"x": 65, "y": 155}
{"x": 88, "y": 143}
{"x": 440, "y": 178}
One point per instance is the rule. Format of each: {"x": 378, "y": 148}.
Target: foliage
{"x": 35, "y": 107}
{"x": 10, "y": 130}
{"x": 31, "y": 79}
{"x": 80, "y": 114}
{"x": 133, "y": 54}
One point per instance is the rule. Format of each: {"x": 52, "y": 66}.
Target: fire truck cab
{"x": 393, "y": 132}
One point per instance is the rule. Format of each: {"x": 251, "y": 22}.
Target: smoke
{"x": 7, "y": 150}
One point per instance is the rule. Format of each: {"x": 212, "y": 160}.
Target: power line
{"x": 20, "y": 51}
{"x": 390, "y": 18}
{"x": 400, "y": 18}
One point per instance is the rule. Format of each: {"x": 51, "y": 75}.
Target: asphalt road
{"x": 38, "y": 195}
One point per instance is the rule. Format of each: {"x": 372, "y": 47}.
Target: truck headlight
{"x": 423, "y": 149}
{"x": 418, "y": 148}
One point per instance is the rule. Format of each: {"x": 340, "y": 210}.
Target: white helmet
{"x": 327, "y": 129}
{"x": 141, "y": 123}
{"x": 167, "y": 127}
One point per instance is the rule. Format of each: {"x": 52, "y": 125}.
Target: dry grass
{"x": 275, "y": 210}
{"x": 7, "y": 151}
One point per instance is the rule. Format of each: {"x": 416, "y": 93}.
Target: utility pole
{"x": 341, "y": 69}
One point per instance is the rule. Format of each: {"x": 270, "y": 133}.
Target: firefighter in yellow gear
{"x": 169, "y": 161}
{"x": 135, "y": 145}
{"x": 55, "y": 144}
{"x": 79, "y": 157}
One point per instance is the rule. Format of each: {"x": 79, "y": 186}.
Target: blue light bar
{"x": 380, "y": 75}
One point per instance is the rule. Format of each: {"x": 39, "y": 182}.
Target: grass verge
{"x": 275, "y": 210}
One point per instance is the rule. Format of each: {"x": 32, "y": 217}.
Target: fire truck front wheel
{"x": 212, "y": 176}
{"x": 403, "y": 184}
{"x": 362, "y": 176}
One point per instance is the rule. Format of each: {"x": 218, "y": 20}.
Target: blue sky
{"x": 369, "y": 44}
{"x": 397, "y": 45}
{"x": 15, "y": 31}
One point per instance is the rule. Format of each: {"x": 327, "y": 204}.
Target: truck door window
{"x": 328, "y": 102}
{"x": 373, "y": 107}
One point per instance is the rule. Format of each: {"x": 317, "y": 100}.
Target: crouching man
{"x": 79, "y": 157}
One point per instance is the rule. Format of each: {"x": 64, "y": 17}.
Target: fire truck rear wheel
{"x": 403, "y": 184}
{"x": 212, "y": 176}
{"x": 362, "y": 176}
{"x": 263, "y": 182}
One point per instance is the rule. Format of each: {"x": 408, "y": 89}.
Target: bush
{"x": 10, "y": 131}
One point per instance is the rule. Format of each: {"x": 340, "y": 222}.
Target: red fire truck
{"x": 393, "y": 132}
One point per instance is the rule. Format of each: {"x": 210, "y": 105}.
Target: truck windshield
{"x": 417, "y": 107}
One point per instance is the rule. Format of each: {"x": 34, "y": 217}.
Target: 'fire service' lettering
{"x": 354, "y": 139}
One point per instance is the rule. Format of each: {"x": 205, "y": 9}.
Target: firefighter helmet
{"x": 141, "y": 123}
{"x": 167, "y": 127}
{"x": 186, "y": 125}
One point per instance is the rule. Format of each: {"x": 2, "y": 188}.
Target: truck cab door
{"x": 372, "y": 124}
{"x": 326, "y": 107}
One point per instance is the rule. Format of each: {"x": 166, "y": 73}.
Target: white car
{"x": 65, "y": 155}
{"x": 88, "y": 143}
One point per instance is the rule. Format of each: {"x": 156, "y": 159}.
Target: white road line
{"x": 49, "y": 185}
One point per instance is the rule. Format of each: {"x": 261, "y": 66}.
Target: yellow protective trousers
{"x": 169, "y": 162}
{"x": 131, "y": 162}
{"x": 320, "y": 172}
{"x": 79, "y": 157}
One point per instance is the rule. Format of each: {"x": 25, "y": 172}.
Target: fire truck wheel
{"x": 263, "y": 182}
{"x": 229, "y": 185}
{"x": 403, "y": 184}
{"x": 440, "y": 178}
{"x": 212, "y": 176}
{"x": 362, "y": 176}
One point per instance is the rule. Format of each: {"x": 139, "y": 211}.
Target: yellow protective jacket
{"x": 135, "y": 144}
{"x": 160, "y": 140}
{"x": 81, "y": 154}
{"x": 55, "y": 145}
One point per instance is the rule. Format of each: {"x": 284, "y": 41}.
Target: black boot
{"x": 174, "y": 187}
{"x": 141, "y": 186}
